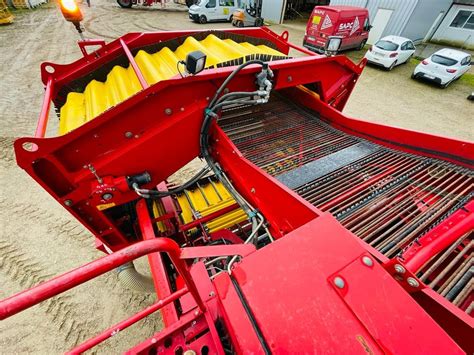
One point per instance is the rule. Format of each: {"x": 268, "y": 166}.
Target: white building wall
{"x": 402, "y": 10}
{"x": 273, "y": 10}
{"x": 454, "y": 35}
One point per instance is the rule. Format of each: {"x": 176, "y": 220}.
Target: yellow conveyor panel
{"x": 121, "y": 83}
{"x": 208, "y": 198}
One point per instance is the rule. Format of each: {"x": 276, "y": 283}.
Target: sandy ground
{"x": 39, "y": 239}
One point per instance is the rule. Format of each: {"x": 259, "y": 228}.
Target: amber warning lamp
{"x": 72, "y": 13}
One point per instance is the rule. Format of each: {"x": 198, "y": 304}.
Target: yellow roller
{"x": 206, "y": 198}
{"x": 121, "y": 83}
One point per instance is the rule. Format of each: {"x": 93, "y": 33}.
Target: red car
{"x": 351, "y": 23}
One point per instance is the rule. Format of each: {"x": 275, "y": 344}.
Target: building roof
{"x": 452, "y": 53}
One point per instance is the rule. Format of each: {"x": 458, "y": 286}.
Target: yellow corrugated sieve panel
{"x": 95, "y": 99}
{"x": 149, "y": 67}
{"x": 122, "y": 83}
{"x": 72, "y": 115}
{"x": 223, "y": 50}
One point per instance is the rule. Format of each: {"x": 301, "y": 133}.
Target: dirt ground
{"x": 39, "y": 239}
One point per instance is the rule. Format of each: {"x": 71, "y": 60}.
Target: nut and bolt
{"x": 339, "y": 282}
{"x": 367, "y": 261}
{"x": 128, "y": 134}
{"x": 211, "y": 294}
{"x": 413, "y": 282}
{"x": 68, "y": 203}
{"x": 107, "y": 196}
{"x": 399, "y": 269}
{"x": 168, "y": 111}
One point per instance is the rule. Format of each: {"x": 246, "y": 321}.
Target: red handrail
{"x": 59, "y": 284}
{"x": 134, "y": 65}
{"x": 44, "y": 115}
{"x": 106, "y": 334}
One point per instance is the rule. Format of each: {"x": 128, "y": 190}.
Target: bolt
{"x": 107, "y": 196}
{"x": 196, "y": 312}
{"x": 168, "y": 111}
{"x": 128, "y": 134}
{"x": 400, "y": 269}
{"x": 68, "y": 202}
{"x": 189, "y": 352}
{"x": 413, "y": 282}
{"x": 339, "y": 282}
{"x": 289, "y": 78}
{"x": 367, "y": 261}
{"x": 252, "y": 190}
{"x": 212, "y": 294}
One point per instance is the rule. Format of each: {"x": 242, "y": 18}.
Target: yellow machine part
{"x": 5, "y": 16}
{"x": 122, "y": 83}
{"x": 207, "y": 197}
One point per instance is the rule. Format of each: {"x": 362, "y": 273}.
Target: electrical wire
{"x": 177, "y": 67}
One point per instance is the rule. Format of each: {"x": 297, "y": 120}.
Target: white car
{"x": 390, "y": 51}
{"x": 443, "y": 67}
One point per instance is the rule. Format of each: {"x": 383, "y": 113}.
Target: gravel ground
{"x": 38, "y": 237}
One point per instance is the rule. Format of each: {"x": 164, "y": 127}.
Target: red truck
{"x": 351, "y": 23}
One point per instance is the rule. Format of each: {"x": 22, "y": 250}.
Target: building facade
{"x": 408, "y": 18}
{"x": 457, "y": 27}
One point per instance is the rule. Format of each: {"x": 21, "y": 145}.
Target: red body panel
{"x": 309, "y": 313}
{"x": 316, "y": 288}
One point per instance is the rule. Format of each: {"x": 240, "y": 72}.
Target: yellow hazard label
{"x": 226, "y": 10}
{"x": 105, "y": 206}
{"x": 316, "y": 20}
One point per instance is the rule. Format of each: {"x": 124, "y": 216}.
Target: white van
{"x": 213, "y": 10}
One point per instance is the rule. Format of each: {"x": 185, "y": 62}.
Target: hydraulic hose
{"x": 133, "y": 280}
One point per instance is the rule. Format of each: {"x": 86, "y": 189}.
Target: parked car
{"x": 390, "y": 51}
{"x": 351, "y": 23}
{"x": 443, "y": 67}
{"x": 213, "y": 10}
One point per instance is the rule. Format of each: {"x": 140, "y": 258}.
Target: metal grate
{"x": 385, "y": 197}
{"x": 451, "y": 273}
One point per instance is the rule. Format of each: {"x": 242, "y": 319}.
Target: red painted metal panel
{"x": 289, "y": 288}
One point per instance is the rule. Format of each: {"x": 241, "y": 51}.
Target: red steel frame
{"x": 58, "y": 164}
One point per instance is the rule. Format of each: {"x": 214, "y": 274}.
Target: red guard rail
{"x": 73, "y": 278}
{"x": 26, "y": 299}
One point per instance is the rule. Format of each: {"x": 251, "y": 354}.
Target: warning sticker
{"x": 316, "y": 20}
{"x": 326, "y": 23}
{"x": 355, "y": 26}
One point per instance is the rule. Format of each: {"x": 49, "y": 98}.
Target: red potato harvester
{"x": 306, "y": 232}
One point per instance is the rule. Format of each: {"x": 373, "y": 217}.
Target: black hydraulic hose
{"x": 187, "y": 184}
{"x": 215, "y": 105}
{"x": 231, "y": 76}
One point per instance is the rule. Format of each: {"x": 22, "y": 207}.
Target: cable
{"x": 158, "y": 194}
{"x": 259, "y": 96}
{"x": 177, "y": 67}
